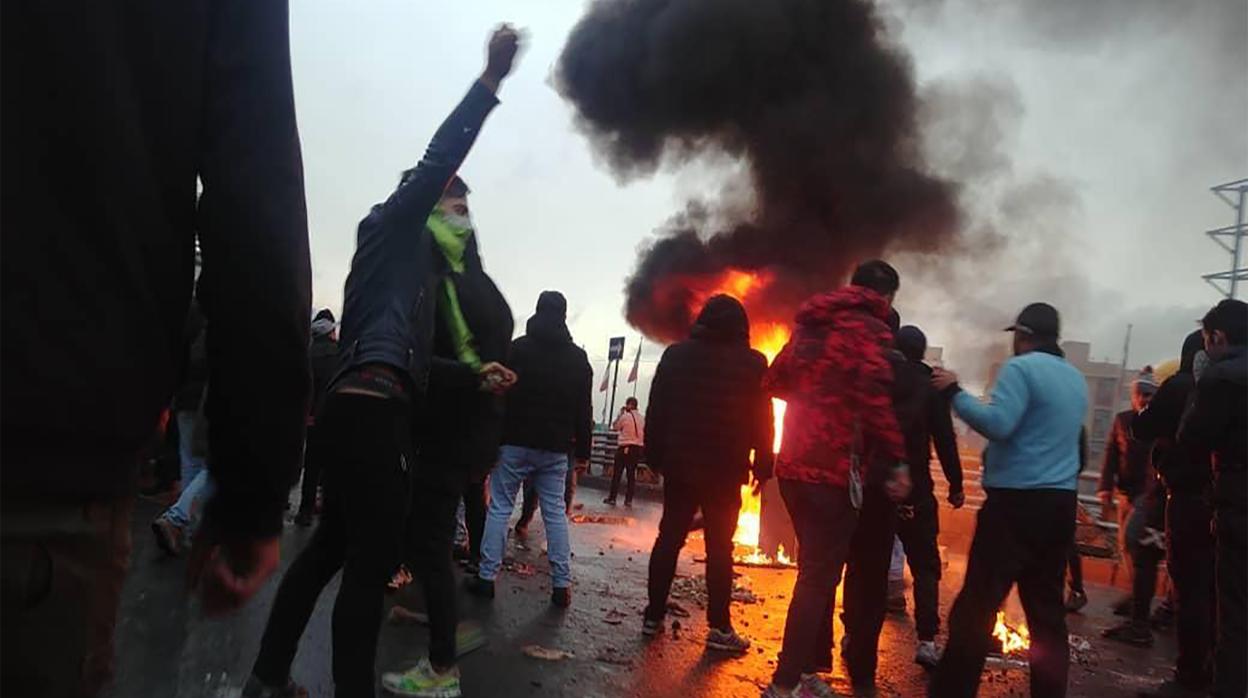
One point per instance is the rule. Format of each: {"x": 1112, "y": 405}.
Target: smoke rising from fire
{"x": 810, "y": 96}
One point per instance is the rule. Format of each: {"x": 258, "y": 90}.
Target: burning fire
{"x": 1013, "y": 641}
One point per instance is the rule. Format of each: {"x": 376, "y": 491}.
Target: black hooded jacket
{"x": 1218, "y": 417}
{"x": 925, "y": 420}
{"x": 549, "y": 408}
{"x": 1184, "y": 469}
{"x": 707, "y": 405}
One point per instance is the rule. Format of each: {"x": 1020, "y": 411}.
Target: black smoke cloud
{"x": 809, "y": 95}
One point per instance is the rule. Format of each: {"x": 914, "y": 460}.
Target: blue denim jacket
{"x": 388, "y": 304}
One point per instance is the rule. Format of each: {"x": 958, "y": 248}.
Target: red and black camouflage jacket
{"x": 835, "y": 375}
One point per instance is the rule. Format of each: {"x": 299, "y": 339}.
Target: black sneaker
{"x": 561, "y": 597}
{"x": 651, "y": 628}
{"x": 255, "y": 688}
{"x": 1131, "y": 633}
{"x": 1162, "y": 618}
{"x": 479, "y": 587}
{"x": 168, "y": 535}
{"x": 609, "y": 500}
{"x": 1123, "y": 607}
{"x": 726, "y": 641}
{"x": 1076, "y": 600}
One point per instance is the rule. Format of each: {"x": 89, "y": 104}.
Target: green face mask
{"x": 451, "y": 232}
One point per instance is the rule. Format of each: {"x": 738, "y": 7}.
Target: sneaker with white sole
{"x": 927, "y": 655}
{"x": 812, "y": 685}
{"x": 726, "y": 641}
{"x": 422, "y": 681}
{"x": 651, "y": 628}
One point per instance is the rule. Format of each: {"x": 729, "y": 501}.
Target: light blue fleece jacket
{"x": 1032, "y": 422}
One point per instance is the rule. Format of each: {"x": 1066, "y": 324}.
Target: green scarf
{"x": 452, "y": 240}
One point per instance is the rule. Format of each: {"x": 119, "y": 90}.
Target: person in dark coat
{"x": 323, "y": 358}
{"x": 926, "y": 424}
{"x": 707, "y": 411}
{"x": 386, "y": 378}
{"x": 131, "y": 130}
{"x": 549, "y": 408}
{"x": 1189, "y": 515}
{"x": 1126, "y": 472}
{"x": 1218, "y": 422}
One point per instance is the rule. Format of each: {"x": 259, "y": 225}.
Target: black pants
{"x": 1230, "y": 671}
{"x": 626, "y": 460}
{"x": 824, "y": 521}
{"x": 918, "y": 537}
{"x": 529, "y": 506}
{"x": 866, "y": 586}
{"x": 436, "y": 492}
{"x": 1023, "y": 537}
{"x": 1190, "y": 550}
{"x": 313, "y": 463}
{"x": 720, "y": 503}
{"x": 474, "y": 516}
{"x": 368, "y": 448}
{"x": 1145, "y": 521}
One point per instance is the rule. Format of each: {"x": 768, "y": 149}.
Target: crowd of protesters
{"x": 420, "y": 401}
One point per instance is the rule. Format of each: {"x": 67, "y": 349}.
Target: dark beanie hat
{"x": 911, "y": 342}
{"x": 552, "y": 303}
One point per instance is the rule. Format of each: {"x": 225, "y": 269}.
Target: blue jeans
{"x": 191, "y": 464}
{"x": 185, "y": 512}
{"x": 548, "y": 470}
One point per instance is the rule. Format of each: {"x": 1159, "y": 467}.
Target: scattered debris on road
{"x": 546, "y": 653}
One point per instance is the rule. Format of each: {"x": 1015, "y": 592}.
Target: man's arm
{"x": 656, "y": 414}
{"x": 763, "y": 426}
{"x": 874, "y": 380}
{"x": 1111, "y": 460}
{"x": 1208, "y": 417}
{"x": 999, "y": 417}
{"x": 584, "y": 411}
{"x": 255, "y": 288}
{"x": 946, "y": 442}
{"x": 778, "y": 380}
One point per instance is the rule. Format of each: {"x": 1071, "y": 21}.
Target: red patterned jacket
{"x": 835, "y": 375}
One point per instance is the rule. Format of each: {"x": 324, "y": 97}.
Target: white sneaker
{"x": 813, "y": 686}
{"x": 421, "y": 681}
{"x": 928, "y": 655}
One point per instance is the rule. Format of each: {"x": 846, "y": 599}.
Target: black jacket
{"x": 707, "y": 405}
{"x": 323, "y": 357}
{"x": 462, "y": 425}
{"x": 1218, "y": 417}
{"x": 925, "y": 421}
{"x": 550, "y": 406}
{"x": 114, "y": 114}
{"x": 1183, "y": 468}
{"x": 389, "y": 309}
{"x": 1127, "y": 464}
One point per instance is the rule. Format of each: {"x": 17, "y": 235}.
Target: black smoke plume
{"x": 808, "y": 94}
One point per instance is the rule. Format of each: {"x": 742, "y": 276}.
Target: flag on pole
{"x": 605, "y": 374}
{"x": 632, "y": 375}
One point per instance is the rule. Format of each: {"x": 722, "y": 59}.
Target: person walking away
{"x": 835, "y": 375}
{"x": 1217, "y": 420}
{"x": 1143, "y": 536}
{"x": 173, "y": 527}
{"x": 707, "y": 411}
{"x": 927, "y": 425}
{"x": 1026, "y": 526}
{"x": 529, "y": 502}
{"x": 1189, "y": 515}
{"x": 114, "y": 115}
{"x": 631, "y": 427}
{"x": 368, "y": 413}
{"x": 323, "y": 358}
{"x": 1077, "y": 596}
{"x": 459, "y": 433}
{"x": 550, "y": 407}
{"x": 1126, "y": 475}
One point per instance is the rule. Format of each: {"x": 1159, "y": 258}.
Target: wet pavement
{"x": 166, "y": 648}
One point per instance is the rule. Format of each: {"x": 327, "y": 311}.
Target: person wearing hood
{"x": 1189, "y": 514}
{"x": 707, "y": 412}
{"x": 1026, "y": 525}
{"x": 1217, "y": 421}
{"x": 549, "y": 408}
{"x": 839, "y": 432}
{"x": 323, "y": 358}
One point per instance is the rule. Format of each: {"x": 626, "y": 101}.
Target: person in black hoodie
{"x": 549, "y": 408}
{"x": 1189, "y": 513}
{"x": 323, "y": 358}
{"x": 1217, "y": 421}
{"x": 926, "y": 422}
{"x": 707, "y": 412}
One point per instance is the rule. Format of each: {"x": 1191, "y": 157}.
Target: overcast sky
{"x": 1132, "y": 109}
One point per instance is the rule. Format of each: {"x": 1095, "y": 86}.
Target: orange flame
{"x": 1012, "y": 640}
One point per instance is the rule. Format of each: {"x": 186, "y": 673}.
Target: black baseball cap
{"x": 1038, "y": 320}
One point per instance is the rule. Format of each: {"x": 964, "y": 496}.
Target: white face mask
{"x": 1200, "y": 363}
{"x": 457, "y": 220}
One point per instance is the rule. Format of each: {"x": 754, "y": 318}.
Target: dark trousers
{"x": 430, "y": 543}
{"x": 529, "y": 506}
{"x": 824, "y": 521}
{"x": 626, "y": 460}
{"x": 474, "y": 516}
{"x": 1074, "y": 563}
{"x": 1189, "y": 516}
{"x": 866, "y": 587}
{"x": 368, "y": 449}
{"x": 62, "y": 566}
{"x": 1021, "y": 537}
{"x": 313, "y": 462}
{"x": 918, "y": 537}
{"x": 719, "y": 504}
{"x": 1230, "y": 670}
{"x": 1144, "y": 523}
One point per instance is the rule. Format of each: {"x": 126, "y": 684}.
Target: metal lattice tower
{"x": 1234, "y": 194}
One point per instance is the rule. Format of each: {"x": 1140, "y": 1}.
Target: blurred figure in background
{"x": 323, "y": 358}
{"x": 631, "y": 427}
